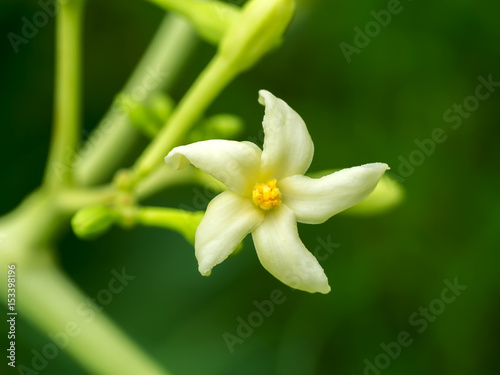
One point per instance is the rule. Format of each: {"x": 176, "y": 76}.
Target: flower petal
{"x": 314, "y": 201}
{"x": 235, "y": 164}
{"x": 283, "y": 254}
{"x": 288, "y": 148}
{"x": 229, "y": 218}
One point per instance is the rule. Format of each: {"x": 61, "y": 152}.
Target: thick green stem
{"x": 209, "y": 84}
{"x": 48, "y": 298}
{"x": 114, "y": 136}
{"x": 45, "y": 213}
{"x": 53, "y": 303}
{"x": 67, "y": 107}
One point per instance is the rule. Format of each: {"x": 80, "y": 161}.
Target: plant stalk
{"x": 67, "y": 101}
{"x": 158, "y": 68}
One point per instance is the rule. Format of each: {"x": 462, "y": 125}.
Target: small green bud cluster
{"x": 150, "y": 115}
{"x": 221, "y": 126}
{"x": 93, "y": 221}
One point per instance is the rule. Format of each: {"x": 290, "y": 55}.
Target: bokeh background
{"x": 384, "y": 268}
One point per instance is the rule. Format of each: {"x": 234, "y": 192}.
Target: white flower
{"x": 268, "y": 194}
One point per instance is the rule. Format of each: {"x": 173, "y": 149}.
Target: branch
{"x": 54, "y": 304}
{"x": 67, "y": 106}
{"x": 114, "y": 136}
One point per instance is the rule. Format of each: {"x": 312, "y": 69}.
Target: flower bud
{"x": 190, "y": 224}
{"x": 258, "y": 29}
{"x": 387, "y": 195}
{"x": 150, "y": 115}
{"x": 92, "y": 221}
{"x": 161, "y": 106}
{"x": 221, "y": 126}
{"x": 211, "y": 19}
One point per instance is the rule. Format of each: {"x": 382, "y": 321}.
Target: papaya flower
{"x": 268, "y": 194}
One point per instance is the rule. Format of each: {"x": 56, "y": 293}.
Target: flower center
{"x": 267, "y": 195}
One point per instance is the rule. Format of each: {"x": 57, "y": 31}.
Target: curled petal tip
{"x": 176, "y": 159}
{"x": 263, "y": 95}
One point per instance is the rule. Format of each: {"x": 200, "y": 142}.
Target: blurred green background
{"x": 384, "y": 269}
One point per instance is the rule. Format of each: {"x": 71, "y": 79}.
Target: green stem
{"x": 218, "y": 73}
{"x": 67, "y": 107}
{"x": 74, "y": 199}
{"x": 49, "y": 298}
{"x": 53, "y": 303}
{"x": 114, "y": 136}
{"x": 184, "y": 222}
{"x": 161, "y": 217}
{"x": 46, "y": 213}
{"x": 36, "y": 222}
{"x": 164, "y": 177}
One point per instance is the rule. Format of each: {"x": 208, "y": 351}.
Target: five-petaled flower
{"x": 268, "y": 194}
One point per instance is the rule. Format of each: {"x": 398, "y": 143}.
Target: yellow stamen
{"x": 267, "y": 195}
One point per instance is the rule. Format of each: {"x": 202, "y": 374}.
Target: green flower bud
{"x": 387, "y": 195}
{"x": 222, "y": 126}
{"x": 91, "y": 222}
{"x": 237, "y": 251}
{"x": 150, "y": 115}
{"x": 190, "y": 224}
{"x": 161, "y": 106}
{"x": 124, "y": 180}
{"x": 258, "y": 29}
{"x": 211, "y": 19}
